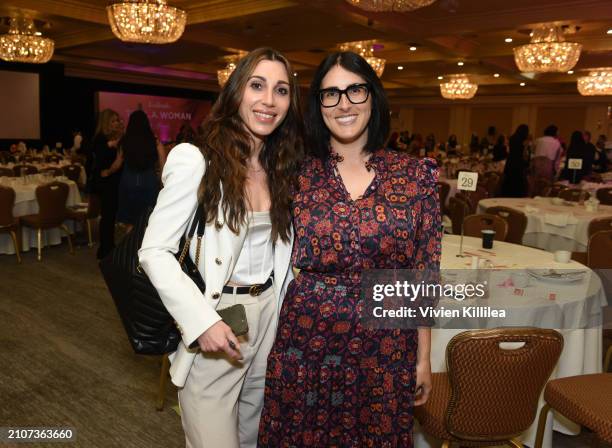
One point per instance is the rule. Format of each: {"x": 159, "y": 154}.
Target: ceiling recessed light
{"x": 294, "y": 73}
{"x": 440, "y": 77}
{"x": 460, "y": 63}
{"x": 496, "y": 75}
{"x": 609, "y": 31}
{"x": 400, "y": 67}
{"x": 570, "y": 72}
{"x": 413, "y": 48}
{"x": 508, "y": 39}
{"x": 522, "y": 84}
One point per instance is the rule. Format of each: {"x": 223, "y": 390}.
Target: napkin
{"x": 531, "y": 209}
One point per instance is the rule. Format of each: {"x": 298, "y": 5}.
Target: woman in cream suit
{"x": 241, "y": 170}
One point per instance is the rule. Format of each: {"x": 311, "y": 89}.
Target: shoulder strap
{"x": 198, "y": 222}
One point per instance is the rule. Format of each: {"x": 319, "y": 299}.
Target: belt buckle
{"x": 256, "y": 290}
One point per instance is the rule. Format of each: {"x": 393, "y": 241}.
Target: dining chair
{"x": 583, "y": 399}
{"x": 516, "y": 220}
{"x": 556, "y": 189}
{"x": 599, "y": 250}
{"x": 596, "y": 225}
{"x": 8, "y": 223}
{"x": 491, "y": 181}
{"x": 72, "y": 172}
{"x": 489, "y": 394}
{"x": 54, "y": 171}
{"x": 473, "y": 225}
{"x": 574, "y": 194}
{"x": 25, "y": 169}
{"x": 52, "y": 212}
{"x": 605, "y": 195}
{"x": 87, "y": 215}
{"x": 6, "y": 172}
{"x": 458, "y": 209}
{"x": 541, "y": 187}
{"x": 443, "y": 190}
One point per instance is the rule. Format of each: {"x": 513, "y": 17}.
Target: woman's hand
{"x": 423, "y": 382}
{"x": 220, "y": 338}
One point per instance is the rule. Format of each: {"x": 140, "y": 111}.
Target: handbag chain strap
{"x": 197, "y": 224}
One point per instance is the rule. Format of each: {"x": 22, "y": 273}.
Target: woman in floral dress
{"x": 330, "y": 381}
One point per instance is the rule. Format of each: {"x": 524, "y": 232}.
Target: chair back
{"x": 516, "y": 220}
{"x": 599, "y": 224}
{"x": 72, "y": 172}
{"x": 491, "y": 182}
{"x": 605, "y": 195}
{"x": 556, "y": 189}
{"x": 541, "y": 187}
{"x": 443, "y": 190}
{"x": 93, "y": 206}
{"x": 7, "y": 202}
{"x": 574, "y": 194}
{"x": 599, "y": 250}
{"x": 6, "y": 172}
{"x": 26, "y": 169}
{"x": 473, "y": 225}
{"x": 55, "y": 171}
{"x": 51, "y": 199}
{"x": 494, "y": 388}
{"x": 458, "y": 209}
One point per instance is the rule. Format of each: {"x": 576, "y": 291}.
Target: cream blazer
{"x": 193, "y": 311}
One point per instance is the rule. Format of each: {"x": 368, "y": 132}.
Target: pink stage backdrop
{"x": 166, "y": 114}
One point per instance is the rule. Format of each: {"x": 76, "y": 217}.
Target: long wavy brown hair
{"x": 226, "y": 145}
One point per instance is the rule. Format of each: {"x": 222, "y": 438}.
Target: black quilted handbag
{"x": 148, "y": 324}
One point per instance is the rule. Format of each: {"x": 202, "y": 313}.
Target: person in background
{"x": 500, "y": 150}
{"x": 547, "y": 154}
{"x": 578, "y": 149}
{"x": 139, "y": 184}
{"x": 77, "y": 142}
{"x": 600, "y": 162}
{"x": 451, "y": 146}
{"x": 186, "y": 134}
{"x": 515, "y": 171}
{"x": 392, "y": 142}
{"x": 430, "y": 143}
{"x": 331, "y": 381}
{"x": 106, "y": 163}
{"x": 416, "y": 144}
{"x": 489, "y": 140}
{"x": 475, "y": 148}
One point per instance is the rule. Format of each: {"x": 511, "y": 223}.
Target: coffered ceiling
{"x": 449, "y": 31}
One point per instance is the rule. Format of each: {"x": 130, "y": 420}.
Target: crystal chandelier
{"x": 232, "y": 62}
{"x": 365, "y": 49}
{"x": 547, "y": 52}
{"x": 390, "y": 5}
{"x": 24, "y": 44}
{"x": 598, "y": 82}
{"x": 458, "y": 88}
{"x": 146, "y": 21}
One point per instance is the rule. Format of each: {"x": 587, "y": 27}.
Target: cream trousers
{"x": 222, "y": 400}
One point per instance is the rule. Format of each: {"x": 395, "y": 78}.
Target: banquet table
{"x": 582, "y": 345}
{"x": 26, "y": 204}
{"x": 591, "y": 187}
{"x": 62, "y": 163}
{"x": 549, "y": 226}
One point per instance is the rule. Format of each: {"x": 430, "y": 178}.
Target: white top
{"x": 548, "y": 147}
{"x": 256, "y": 260}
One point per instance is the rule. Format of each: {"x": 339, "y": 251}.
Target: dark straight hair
{"x": 317, "y": 133}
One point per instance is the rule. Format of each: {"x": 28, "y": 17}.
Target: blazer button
{"x": 218, "y": 225}
{"x": 216, "y": 296}
{"x": 218, "y": 261}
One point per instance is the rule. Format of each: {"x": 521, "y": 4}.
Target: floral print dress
{"x": 330, "y": 382}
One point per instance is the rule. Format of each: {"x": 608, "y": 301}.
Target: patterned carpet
{"x": 67, "y": 362}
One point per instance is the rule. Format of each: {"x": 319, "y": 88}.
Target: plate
{"x": 557, "y": 276}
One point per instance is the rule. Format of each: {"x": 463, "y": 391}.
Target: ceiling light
{"x": 232, "y": 61}
{"x": 522, "y": 84}
{"x": 570, "y": 72}
{"x": 294, "y": 73}
{"x": 496, "y": 75}
{"x": 460, "y": 63}
{"x": 609, "y": 31}
{"x": 413, "y": 48}
{"x": 400, "y": 67}
{"x": 459, "y": 87}
{"x": 508, "y": 39}
{"x": 440, "y": 77}
{"x": 390, "y": 5}
{"x": 23, "y": 44}
{"x": 547, "y": 52}
{"x": 365, "y": 48}
{"x": 146, "y": 21}
{"x": 598, "y": 82}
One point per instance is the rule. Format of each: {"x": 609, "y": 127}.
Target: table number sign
{"x": 574, "y": 164}
{"x": 467, "y": 180}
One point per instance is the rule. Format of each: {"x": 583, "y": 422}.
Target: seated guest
{"x": 600, "y": 162}
{"x": 489, "y": 140}
{"x": 515, "y": 170}
{"x": 547, "y": 154}
{"x": 500, "y": 150}
{"x": 451, "y": 146}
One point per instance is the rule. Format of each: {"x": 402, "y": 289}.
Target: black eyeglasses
{"x": 356, "y": 94}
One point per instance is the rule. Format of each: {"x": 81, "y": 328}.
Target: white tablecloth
{"x": 26, "y": 204}
{"x": 61, "y": 164}
{"x": 583, "y": 346}
{"x": 552, "y": 227}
